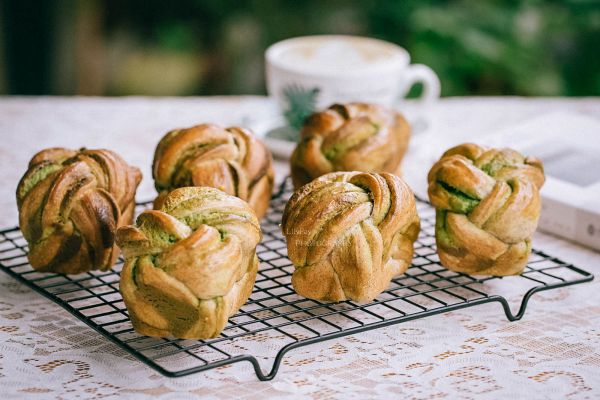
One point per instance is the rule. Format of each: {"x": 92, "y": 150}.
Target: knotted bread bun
{"x": 349, "y": 233}
{"x": 350, "y": 137}
{"x": 487, "y": 208}
{"x": 70, "y": 205}
{"x": 190, "y": 265}
{"x": 229, "y": 159}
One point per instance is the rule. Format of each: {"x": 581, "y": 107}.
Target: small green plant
{"x": 301, "y": 103}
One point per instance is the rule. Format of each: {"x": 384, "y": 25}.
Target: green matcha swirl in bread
{"x": 190, "y": 265}
{"x": 349, "y": 233}
{"x": 350, "y": 137}
{"x": 71, "y": 203}
{"x": 487, "y": 208}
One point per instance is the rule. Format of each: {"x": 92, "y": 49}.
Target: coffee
{"x": 336, "y": 53}
{"x": 313, "y": 72}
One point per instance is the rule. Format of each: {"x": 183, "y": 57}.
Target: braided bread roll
{"x": 487, "y": 208}
{"x": 70, "y": 205}
{"x": 349, "y": 233}
{"x": 350, "y": 137}
{"x": 229, "y": 159}
{"x": 190, "y": 265}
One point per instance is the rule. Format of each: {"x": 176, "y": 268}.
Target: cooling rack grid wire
{"x": 276, "y": 319}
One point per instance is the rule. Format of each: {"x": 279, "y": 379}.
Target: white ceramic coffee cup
{"x": 339, "y": 69}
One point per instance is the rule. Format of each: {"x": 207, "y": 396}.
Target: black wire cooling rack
{"x": 276, "y": 320}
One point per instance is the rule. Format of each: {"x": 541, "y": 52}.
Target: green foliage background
{"x": 487, "y": 47}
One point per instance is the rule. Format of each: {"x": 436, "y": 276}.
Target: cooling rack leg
{"x": 276, "y": 363}
{"x": 530, "y": 292}
{"x": 258, "y": 371}
{"x": 507, "y": 311}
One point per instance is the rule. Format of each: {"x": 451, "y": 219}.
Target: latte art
{"x": 337, "y": 53}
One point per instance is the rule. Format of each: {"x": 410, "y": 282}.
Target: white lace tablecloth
{"x": 553, "y": 352}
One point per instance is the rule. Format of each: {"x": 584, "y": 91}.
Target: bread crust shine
{"x": 71, "y": 203}
{"x": 350, "y": 137}
{"x": 229, "y": 159}
{"x": 190, "y": 265}
{"x": 487, "y": 208}
{"x": 349, "y": 233}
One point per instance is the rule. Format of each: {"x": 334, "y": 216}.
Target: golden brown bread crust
{"x": 487, "y": 208}
{"x": 190, "y": 265}
{"x": 350, "y": 137}
{"x": 70, "y": 205}
{"x": 229, "y": 159}
{"x": 349, "y": 233}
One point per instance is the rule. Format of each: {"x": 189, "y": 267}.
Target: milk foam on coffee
{"x": 335, "y": 53}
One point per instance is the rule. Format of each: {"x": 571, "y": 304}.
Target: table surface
{"x": 553, "y": 352}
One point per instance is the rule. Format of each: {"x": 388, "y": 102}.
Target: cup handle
{"x": 416, "y": 73}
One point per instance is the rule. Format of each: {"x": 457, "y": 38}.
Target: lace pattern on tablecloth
{"x": 554, "y": 352}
